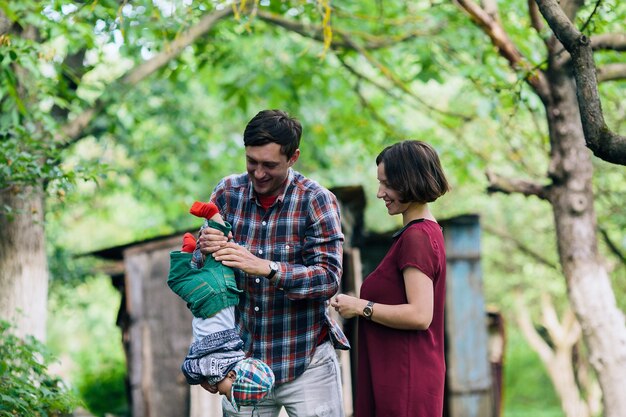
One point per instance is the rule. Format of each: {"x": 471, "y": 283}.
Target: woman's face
{"x": 390, "y": 196}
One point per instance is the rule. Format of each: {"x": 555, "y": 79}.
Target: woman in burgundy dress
{"x": 401, "y": 367}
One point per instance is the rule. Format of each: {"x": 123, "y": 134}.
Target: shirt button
{"x": 286, "y": 246}
{"x": 256, "y": 308}
{"x": 264, "y": 223}
{"x": 261, "y": 251}
{"x": 257, "y": 280}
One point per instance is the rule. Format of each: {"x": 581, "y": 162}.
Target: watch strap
{"x": 272, "y": 271}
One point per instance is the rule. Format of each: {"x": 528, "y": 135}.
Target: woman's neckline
{"x": 420, "y": 220}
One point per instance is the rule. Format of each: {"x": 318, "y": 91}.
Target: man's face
{"x": 268, "y": 168}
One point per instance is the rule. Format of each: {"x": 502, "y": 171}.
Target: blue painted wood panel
{"x": 469, "y": 379}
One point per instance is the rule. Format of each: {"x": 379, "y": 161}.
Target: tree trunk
{"x": 588, "y": 282}
{"x": 23, "y": 263}
{"x": 562, "y": 374}
{"x": 556, "y": 353}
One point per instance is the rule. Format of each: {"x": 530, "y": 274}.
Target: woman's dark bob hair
{"x": 413, "y": 169}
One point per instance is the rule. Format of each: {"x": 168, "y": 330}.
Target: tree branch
{"x": 611, "y": 72}
{"x": 5, "y": 23}
{"x": 344, "y": 40}
{"x": 609, "y": 42}
{"x": 528, "y": 329}
{"x": 364, "y": 102}
{"x": 521, "y": 246}
{"x": 614, "y": 248}
{"x": 72, "y": 130}
{"x": 389, "y": 75}
{"x": 316, "y": 32}
{"x": 535, "y": 17}
{"x": 605, "y": 144}
{"x": 507, "y": 49}
{"x": 501, "y": 184}
{"x": 573, "y": 330}
{"x": 563, "y": 334}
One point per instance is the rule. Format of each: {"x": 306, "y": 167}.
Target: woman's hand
{"x": 348, "y": 306}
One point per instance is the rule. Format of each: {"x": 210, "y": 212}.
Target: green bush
{"x": 102, "y": 387}
{"x": 26, "y": 389}
{"x": 82, "y": 330}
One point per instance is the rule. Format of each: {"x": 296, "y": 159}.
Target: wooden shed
{"x": 156, "y": 325}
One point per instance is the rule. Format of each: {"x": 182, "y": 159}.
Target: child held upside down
{"x": 216, "y": 356}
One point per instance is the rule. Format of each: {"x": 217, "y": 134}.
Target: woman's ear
{"x": 232, "y": 375}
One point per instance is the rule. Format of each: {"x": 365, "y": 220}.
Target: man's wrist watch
{"x": 368, "y": 310}
{"x": 273, "y": 270}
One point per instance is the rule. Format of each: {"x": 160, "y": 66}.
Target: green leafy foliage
{"x": 26, "y": 387}
{"x": 83, "y": 331}
{"x": 37, "y": 86}
{"x": 525, "y": 377}
{"x": 102, "y": 388}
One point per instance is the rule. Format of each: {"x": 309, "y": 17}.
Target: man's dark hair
{"x": 413, "y": 169}
{"x": 274, "y": 126}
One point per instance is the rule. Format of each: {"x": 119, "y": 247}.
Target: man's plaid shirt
{"x": 281, "y": 321}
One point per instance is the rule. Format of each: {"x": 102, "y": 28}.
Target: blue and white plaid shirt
{"x": 281, "y": 321}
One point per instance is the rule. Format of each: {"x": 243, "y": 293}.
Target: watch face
{"x": 367, "y": 311}
{"x": 273, "y": 270}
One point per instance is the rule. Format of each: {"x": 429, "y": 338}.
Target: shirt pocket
{"x": 288, "y": 251}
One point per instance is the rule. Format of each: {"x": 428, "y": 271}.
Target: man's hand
{"x": 236, "y": 256}
{"x": 211, "y": 388}
{"x": 210, "y": 240}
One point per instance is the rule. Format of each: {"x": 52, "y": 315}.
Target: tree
{"x": 31, "y": 140}
{"x": 600, "y": 139}
{"x": 569, "y": 189}
{"x": 24, "y": 276}
{"x": 580, "y": 395}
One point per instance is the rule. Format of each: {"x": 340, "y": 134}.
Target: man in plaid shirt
{"x": 286, "y": 251}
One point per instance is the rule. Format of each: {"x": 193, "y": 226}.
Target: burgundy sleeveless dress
{"x": 401, "y": 373}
